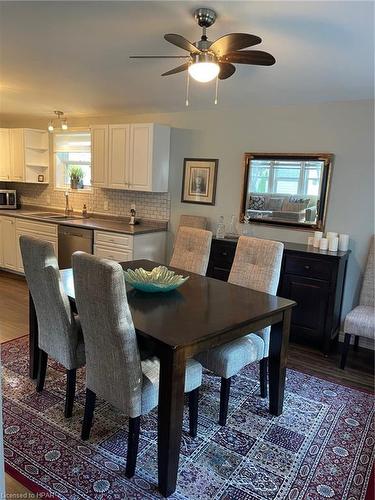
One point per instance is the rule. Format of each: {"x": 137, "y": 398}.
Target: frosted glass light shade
{"x": 204, "y": 71}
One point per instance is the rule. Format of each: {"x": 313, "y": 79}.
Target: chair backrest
{"x": 113, "y": 365}
{"x": 257, "y": 264}
{"x": 368, "y": 285}
{"x": 197, "y": 221}
{"x": 57, "y": 333}
{"x": 192, "y": 250}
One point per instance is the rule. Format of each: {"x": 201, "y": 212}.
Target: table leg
{"x": 33, "y": 340}
{"x": 277, "y": 363}
{"x": 170, "y": 413}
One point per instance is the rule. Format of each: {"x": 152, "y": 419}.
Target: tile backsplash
{"x": 148, "y": 205}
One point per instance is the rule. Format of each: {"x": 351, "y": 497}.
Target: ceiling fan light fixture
{"x": 204, "y": 67}
{"x": 204, "y": 71}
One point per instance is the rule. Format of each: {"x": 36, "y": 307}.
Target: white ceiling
{"x": 74, "y": 56}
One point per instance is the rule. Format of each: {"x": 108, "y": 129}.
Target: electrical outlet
{"x": 106, "y": 205}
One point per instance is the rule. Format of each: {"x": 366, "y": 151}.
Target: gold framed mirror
{"x": 287, "y": 189}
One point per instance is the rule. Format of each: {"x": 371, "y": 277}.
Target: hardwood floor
{"x": 359, "y": 372}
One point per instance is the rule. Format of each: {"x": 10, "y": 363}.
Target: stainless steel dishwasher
{"x": 72, "y": 239}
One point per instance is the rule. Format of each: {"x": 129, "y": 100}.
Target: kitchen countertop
{"x": 115, "y": 224}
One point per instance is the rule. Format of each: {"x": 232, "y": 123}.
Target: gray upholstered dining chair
{"x": 192, "y": 250}
{"x": 114, "y": 370}
{"x": 60, "y": 335}
{"x": 360, "y": 322}
{"x": 256, "y": 265}
{"x": 197, "y": 221}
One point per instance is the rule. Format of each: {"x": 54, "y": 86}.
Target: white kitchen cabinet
{"x": 118, "y": 156}
{"x": 123, "y": 247}
{"x": 8, "y": 242}
{"x": 99, "y": 155}
{"x": 131, "y": 157}
{"x": 1, "y": 247}
{"x": 24, "y": 155}
{"x": 17, "y": 155}
{"x": 41, "y": 230}
{"x": 4, "y": 154}
{"x": 149, "y": 157}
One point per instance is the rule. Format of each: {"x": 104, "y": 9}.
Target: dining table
{"x": 201, "y": 314}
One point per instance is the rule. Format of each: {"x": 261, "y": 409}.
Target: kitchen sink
{"x": 54, "y": 216}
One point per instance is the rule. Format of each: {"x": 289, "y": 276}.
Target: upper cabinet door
{"x": 99, "y": 155}
{"x": 4, "y": 154}
{"x": 17, "y": 155}
{"x": 149, "y": 157}
{"x": 141, "y": 139}
{"x": 118, "y": 147}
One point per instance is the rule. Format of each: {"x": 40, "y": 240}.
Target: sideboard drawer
{"x": 310, "y": 268}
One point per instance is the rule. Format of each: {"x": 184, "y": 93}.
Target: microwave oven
{"x": 8, "y": 199}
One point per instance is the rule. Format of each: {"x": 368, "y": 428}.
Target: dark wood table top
{"x": 201, "y": 308}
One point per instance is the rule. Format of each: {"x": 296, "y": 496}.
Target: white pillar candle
{"x": 343, "y": 242}
{"x": 310, "y": 240}
{"x": 323, "y": 244}
{"x": 317, "y": 237}
{"x": 333, "y": 244}
{"x": 331, "y": 235}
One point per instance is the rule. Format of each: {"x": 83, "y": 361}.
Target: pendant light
{"x": 63, "y": 122}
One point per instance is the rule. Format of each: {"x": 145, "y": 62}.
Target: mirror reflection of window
{"x": 286, "y": 189}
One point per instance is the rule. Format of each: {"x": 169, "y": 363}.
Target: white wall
{"x": 343, "y": 128}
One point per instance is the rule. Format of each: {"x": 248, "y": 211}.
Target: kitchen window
{"x": 72, "y": 160}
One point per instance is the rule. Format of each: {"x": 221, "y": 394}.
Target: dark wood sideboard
{"x": 311, "y": 277}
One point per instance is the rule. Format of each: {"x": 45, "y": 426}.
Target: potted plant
{"x": 76, "y": 177}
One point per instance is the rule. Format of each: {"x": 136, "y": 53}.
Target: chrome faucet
{"x": 68, "y": 210}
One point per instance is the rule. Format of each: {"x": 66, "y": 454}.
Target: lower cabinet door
{"x": 8, "y": 241}
{"x": 115, "y": 254}
{"x": 309, "y": 316}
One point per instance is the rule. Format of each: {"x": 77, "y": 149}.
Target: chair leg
{"x": 345, "y": 350}
{"x": 88, "y": 415}
{"x": 43, "y": 358}
{"x": 263, "y": 371}
{"x": 193, "y": 412}
{"x": 356, "y": 342}
{"x": 224, "y": 400}
{"x": 70, "y": 392}
{"x": 133, "y": 440}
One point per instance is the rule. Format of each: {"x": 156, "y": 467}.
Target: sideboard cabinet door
{"x": 309, "y": 317}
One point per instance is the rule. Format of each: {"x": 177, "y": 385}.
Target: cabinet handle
{"x": 307, "y": 267}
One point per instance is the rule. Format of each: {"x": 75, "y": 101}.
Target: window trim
{"x": 328, "y": 159}
{"x": 86, "y": 190}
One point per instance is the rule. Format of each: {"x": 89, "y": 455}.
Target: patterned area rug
{"x": 321, "y": 447}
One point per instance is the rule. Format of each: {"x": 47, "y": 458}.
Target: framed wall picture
{"x": 199, "y": 181}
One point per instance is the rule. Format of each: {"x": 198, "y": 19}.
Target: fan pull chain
{"x": 187, "y": 89}
{"x": 216, "y": 89}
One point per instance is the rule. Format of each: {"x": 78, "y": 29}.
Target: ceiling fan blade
{"x": 183, "y": 67}
{"x": 233, "y": 41}
{"x": 181, "y": 42}
{"x": 226, "y": 70}
{"x": 250, "y": 57}
{"x": 158, "y": 57}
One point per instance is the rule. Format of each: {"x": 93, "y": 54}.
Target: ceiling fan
{"x": 208, "y": 60}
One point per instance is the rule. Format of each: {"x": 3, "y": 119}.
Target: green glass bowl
{"x": 159, "y": 279}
